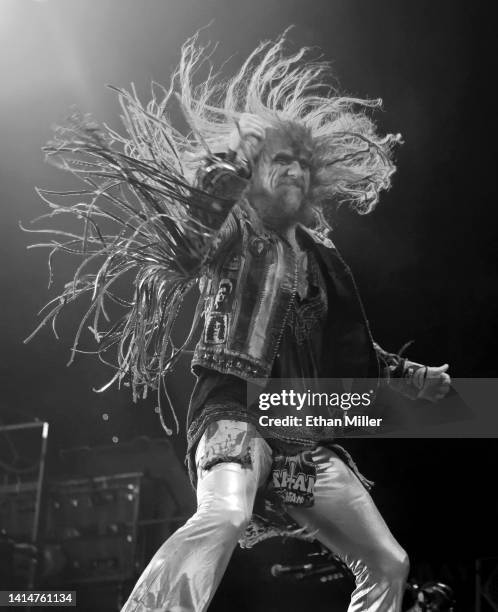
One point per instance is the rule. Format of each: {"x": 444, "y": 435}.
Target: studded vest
{"x": 247, "y": 293}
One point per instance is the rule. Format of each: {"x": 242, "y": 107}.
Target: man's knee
{"x": 225, "y": 514}
{"x": 237, "y": 517}
{"x": 393, "y": 565}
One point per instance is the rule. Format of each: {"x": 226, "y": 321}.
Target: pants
{"x": 186, "y": 571}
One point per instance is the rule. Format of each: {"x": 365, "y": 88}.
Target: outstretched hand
{"x": 434, "y": 382}
{"x": 247, "y": 137}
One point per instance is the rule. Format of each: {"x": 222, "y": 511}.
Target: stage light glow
{"x": 43, "y": 51}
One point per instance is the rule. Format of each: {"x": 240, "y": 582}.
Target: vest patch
{"x": 224, "y": 291}
{"x": 234, "y": 263}
{"x": 258, "y": 246}
{"x": 216, "y": 329}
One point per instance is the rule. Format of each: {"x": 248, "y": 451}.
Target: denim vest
{"x": 246, "y": 296}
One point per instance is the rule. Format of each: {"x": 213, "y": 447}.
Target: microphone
{"x": 328, "y": 571}
{"x": 280, "y": 570}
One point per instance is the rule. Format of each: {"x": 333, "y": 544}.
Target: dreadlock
{"x": 137, "y": 208}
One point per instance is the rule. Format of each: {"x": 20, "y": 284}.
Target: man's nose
{"x": 294, "y": 169}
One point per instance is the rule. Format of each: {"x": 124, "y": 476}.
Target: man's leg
{"x": 232, "y": 461}
{"x": 347, "y": 522}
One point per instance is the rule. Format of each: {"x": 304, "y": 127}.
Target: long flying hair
{"x": 352, "y": 163}
{"x": 136, "y": 212}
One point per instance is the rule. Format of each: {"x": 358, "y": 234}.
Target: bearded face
{"x": 281, "y": 178}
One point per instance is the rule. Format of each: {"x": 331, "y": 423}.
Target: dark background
{"x": 424, "y": 260}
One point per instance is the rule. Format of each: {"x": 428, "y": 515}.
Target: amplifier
{"x": 18, "y": 509}
{"x": 92, "y": 524}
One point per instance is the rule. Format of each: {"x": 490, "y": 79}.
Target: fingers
{"x": 437, "y": 383}
{"x": 441, "y": 390}
{"x": 446, "y": 379}
{"x": 419, "y": 377}
{"x": 443, "y": 381}
{"x": 437, "y": 372}
{"x": 254, "y": 131}
{"x": 444, "y": 387}
{"x": 247, "y": 120}
{"x": 250, "y": 125}
{"x": 248, "y": 135}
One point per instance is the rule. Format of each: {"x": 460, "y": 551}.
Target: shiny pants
{"x": 186, "y": 571}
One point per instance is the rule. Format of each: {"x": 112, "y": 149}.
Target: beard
{"x": 282, "y": 209}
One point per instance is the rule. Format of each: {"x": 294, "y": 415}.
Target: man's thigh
{"x": 234, "y": 444}
{"x": 344, "y": 516}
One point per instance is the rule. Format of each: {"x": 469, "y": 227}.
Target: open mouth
{"x": 291, "y": 184}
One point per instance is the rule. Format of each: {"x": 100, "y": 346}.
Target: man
{"x": 276, "y": 298}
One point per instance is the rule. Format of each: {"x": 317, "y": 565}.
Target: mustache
{"x": 291, "y": 181}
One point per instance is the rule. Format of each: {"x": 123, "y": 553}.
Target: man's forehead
{"x": 293, "y": 140}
